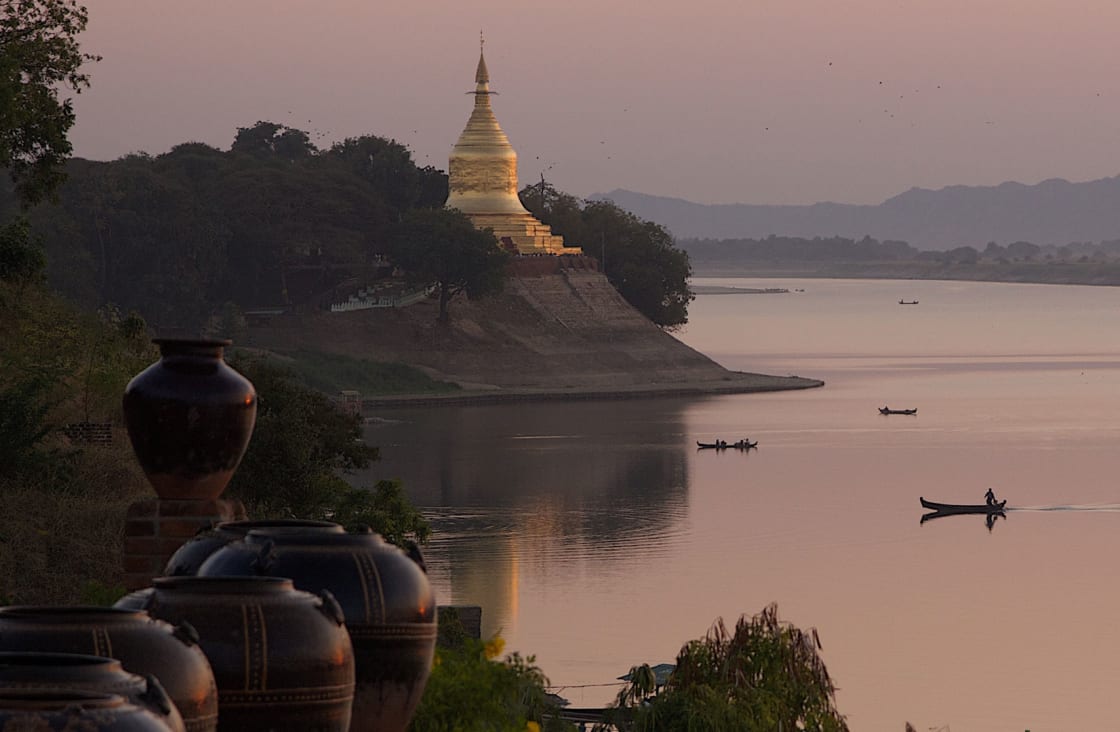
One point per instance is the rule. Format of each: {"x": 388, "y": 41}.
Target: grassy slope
{"x": 332, "y": 372}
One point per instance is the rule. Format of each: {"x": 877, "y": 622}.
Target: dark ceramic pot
{"x": 386, "y": 597}
{"x": 77, "y": 672}
{"x": 188, "y": 558}
{"x": 60, "y": 710}
{"x": 142, "y": 644}
{"x": 189, "y": 417}
{"x": 281, "y": 657}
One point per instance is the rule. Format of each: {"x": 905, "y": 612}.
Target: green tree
{"x": 39, "y": 57}
{"x": 21, "y": 257}
{"x": 442, "y": 246}
{"x": 641, "y": 261}
{"x": 469, "y": 690}
{"x": 267, "y": 139}
{"x": 766, "y": 675}
{"x": 639, "y": 257}
{"x": 300, "y": 445}
{"x": 385, "y": 165}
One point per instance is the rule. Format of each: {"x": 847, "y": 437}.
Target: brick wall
{"x": 155, "y": 528}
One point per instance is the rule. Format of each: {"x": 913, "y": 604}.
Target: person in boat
{"x": 990, "y": 498}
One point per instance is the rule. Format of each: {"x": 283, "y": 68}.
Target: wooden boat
{"x": 888, "y": 410}
{"x": 944, "y": 508}
{"x": 907, "y": 302}
{"x": 712, "y": 445}
{"x": 745, "y": 444}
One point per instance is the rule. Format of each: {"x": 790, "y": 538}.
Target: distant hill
{"x": 1054, "y": 211}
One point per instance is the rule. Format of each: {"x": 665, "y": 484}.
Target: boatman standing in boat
{"x": 990, "y": 497}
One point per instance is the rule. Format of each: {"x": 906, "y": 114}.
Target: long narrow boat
{"x": 711, "y": 445}
{"x": 963, "y": 508}
{"x": 888, "y": 410}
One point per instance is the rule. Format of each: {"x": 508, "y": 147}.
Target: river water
{"x": 596, "y": 536}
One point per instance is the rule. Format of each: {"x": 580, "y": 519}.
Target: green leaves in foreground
{"x": 764, "y": 676}
{"x": 300, "y": 445}
{"x": 470, "y": 691}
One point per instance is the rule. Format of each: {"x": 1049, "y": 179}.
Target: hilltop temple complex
{"x": 482, "y": 175}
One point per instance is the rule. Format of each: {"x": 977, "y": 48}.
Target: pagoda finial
{"x": 482, "y": 75}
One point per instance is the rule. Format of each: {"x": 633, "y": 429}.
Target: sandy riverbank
{"x": 735, "y": 383}
{"x": 567, "y": 335}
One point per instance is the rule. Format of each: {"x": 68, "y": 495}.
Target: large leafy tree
{"x": 639, "y": 257}
{"x": 39, "y": 58}
{"x": 301, "y": 443}
{"x": 765, "y": 675}
{"x": 442, "y": 246}
{"x": 266, "y": 139}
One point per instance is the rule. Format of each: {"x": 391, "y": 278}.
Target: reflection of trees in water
{"x": 536, "y": 488}
{"x": 578, "y": 458}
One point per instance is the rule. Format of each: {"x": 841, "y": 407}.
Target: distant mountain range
{"x": 1054, "y": 211}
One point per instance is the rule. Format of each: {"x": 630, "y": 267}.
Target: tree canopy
{"x": 639, "y": 257}
{"x": 301, "y": 444}
{"x": 443, "y": 246}
{"x": 765, "y": 675}
{"x": 39, "y": 58}
{"x": 271, "y": 222}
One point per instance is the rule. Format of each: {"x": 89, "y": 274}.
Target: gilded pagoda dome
{"x": 482, "y": 173}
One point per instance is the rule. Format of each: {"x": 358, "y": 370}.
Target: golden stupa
{"x": 483, "y": 180}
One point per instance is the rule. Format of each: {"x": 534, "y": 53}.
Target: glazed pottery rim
{"x": 58, "y": 699}
{"x": 56, "y": 659}
{"x": 194, "y": 342}
{"x": 316, "y": 538}
{"x": 245, "y": 526}
{"x": 51, "y": 613}
{"x": 224, "y": 584}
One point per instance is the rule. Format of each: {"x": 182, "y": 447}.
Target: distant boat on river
{"x": 907, "y": 302}
{"x": 963, "y": 508}
{"x": 888, "y": 410}
{"x": 745, "y": 444}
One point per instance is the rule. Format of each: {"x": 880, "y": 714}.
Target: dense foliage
{"x": 444, "y": 247}
{"x": 471, "y": 690}
{"x": 271, "y": 222}
{"x": 766, "y": 675}
{"x": 64, "y": 502}
{"x": 301, "y": 445}
{"x": 39, "y": 58}
{"x": 638, "y": 257}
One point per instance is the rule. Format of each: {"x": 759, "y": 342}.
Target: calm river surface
{"x": 596, "y": 536}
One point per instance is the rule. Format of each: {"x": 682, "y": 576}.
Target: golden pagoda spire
{"x": 482, "y": 75}
{"x": 482, "y": 176}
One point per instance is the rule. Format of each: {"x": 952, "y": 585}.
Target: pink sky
{"x": 767, "y": 101}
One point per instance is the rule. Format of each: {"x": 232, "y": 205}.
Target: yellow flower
{"x": 532, "y": 726}
{"x": 494, "y": 647}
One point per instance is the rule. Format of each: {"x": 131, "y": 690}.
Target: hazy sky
{"x": 756, "y": 101}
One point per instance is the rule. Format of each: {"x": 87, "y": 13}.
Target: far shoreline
{"x": 1026, "y": 273}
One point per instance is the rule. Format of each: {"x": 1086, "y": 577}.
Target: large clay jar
{"x": 78, "y": 672}
{"x": 281, "y": 657}
{"x": 61, "y": 710}
{"x": 142, "y": 644}
{"x": 189, "y": 557}
{"x": 189, "y": 417}
{"x": 385, "y": 595}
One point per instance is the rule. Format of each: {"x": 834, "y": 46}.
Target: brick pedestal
{"x": 155, "y": 528}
